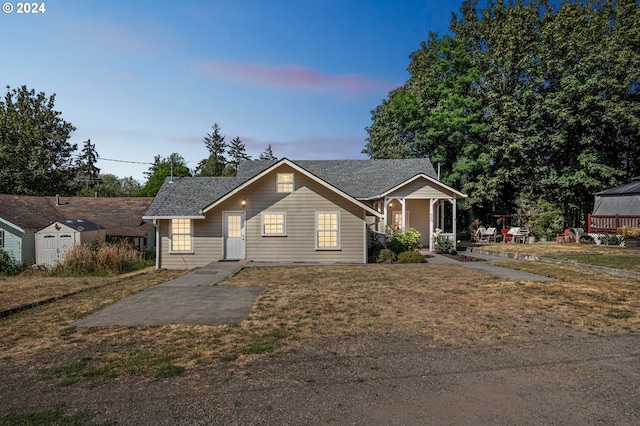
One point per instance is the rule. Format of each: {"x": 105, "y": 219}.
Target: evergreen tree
{"x": 237, "y": 152}
{"x": 267, "y": 154}
{"x": 215, "y": 163}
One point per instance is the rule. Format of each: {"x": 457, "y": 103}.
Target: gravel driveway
{"x": 556, "y": 376}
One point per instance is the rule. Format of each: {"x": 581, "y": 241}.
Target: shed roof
{"x": 626, "y": 189}
{"x": 80, "y": 225}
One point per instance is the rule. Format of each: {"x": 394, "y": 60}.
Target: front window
{"x": 327, "y": 230}
{"x": 273, "y": 224}
{"x": 181, "y": 235}
{"x": 1, "y": 238}
{"x": 284, "y": 182}
{"x": 397, "y": 219}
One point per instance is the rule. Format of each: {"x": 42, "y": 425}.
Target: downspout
{"x": 155, "y": 223}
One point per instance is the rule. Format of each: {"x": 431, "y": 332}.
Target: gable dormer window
{"x": 284, "y": 182}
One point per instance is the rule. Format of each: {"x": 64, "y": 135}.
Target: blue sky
{"x": 146, "y": 78}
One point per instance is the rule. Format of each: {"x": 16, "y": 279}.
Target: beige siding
{"x": 299, "y": 243}
{"x": 420, "y": 188}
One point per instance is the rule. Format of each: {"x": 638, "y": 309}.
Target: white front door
{"x": 49, "y": 250}
{"x": 234, "y": 236}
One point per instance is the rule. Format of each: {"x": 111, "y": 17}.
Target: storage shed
{"x": 54, "y": 241}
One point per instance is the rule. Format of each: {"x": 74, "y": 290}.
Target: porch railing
{"x": 610, "y": 223}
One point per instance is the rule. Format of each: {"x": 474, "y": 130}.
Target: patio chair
{"x": 489, "y": 234}
{"x": 562, "y": 238}
{"x": 477, "y": 234}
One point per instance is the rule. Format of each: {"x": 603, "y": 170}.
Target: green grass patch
{"x": 617, "y": 261}
{"x": 55, "y": 416}
{"x": 619, "y": 313}
{"x": 98, "y": 371}
{"x": 169, "y": 371}
{"x": 266, "y": 343}
{"x": 85, "y": 369}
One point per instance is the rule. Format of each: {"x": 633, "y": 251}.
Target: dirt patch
{"x": 462, "y": 257}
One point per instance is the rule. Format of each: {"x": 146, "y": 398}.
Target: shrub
{"x": 410, "y": 257}
{"x": 399, "y": 242}
{"x": 8, "y": 266}
{"x": 385, "y": 255}
{"x": 442, "y": 244}
{"x": 629, "y": 232}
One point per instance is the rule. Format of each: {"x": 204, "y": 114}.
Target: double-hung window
{"x": 327, "y": 230}
{"x": 284, "y": 182}
{"x": 181, "y": 233}
{"x": 274, "y": 224}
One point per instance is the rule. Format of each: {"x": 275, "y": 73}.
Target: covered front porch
{"x": 424, "y": 204}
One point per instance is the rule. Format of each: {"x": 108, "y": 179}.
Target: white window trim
{"x": 278, "y": 183}
{"x": 338, "y": 234}
{"x": 284, "y": 224}
{"x": 171, "y": 250}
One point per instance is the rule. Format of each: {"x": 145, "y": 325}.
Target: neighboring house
{"x": 302, "y": 211}
{"x": 121, "y": 217}
{"x": 54, "y": 241}
{"x": 616, "y": 207}
{"x": 22, "y": 216}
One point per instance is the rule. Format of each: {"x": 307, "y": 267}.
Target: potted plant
{"x": 631, "y": 236}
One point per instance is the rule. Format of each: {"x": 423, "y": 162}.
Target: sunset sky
{"x": 146, "y": 78}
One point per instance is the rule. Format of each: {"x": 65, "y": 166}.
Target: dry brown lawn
{"x": 449, "y": 303}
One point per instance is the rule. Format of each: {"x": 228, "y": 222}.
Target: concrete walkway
{"x": 192, "y": 299}
{"x": 495, "y": 270}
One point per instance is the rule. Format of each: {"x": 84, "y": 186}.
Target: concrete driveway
{"x": 192, "y": 299}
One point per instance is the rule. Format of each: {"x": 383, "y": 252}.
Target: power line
{"x": 123, "y": 161}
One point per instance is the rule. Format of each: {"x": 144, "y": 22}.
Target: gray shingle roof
{"x": 187, "y": 196}
{"x": 361, "y": 179}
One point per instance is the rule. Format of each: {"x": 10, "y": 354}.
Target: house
{"x": 120, "y": 217}
{"x": 22, "y": 216}
{"x": 296, "y": 211}
{"x": 54, "y": 241}
{"x": 616, "y": 207}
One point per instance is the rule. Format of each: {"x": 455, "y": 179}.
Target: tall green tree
{"x": 35, "y": 152}
{"x": 267, "y": 154}
{"x": 216, "y": 162}
{"x": 237, "y": 152}
{"x": 174, "y": 165}
{"x": 87, "y": 173}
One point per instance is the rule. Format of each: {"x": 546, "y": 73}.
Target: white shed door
{"x": 49, "y": 250}
{"x": 55, "y": 248}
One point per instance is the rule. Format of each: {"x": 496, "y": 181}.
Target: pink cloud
{"x": 288, "y": 76}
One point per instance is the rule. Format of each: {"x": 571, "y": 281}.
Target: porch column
{"x": 432, "y": 202}
{"x": 455, "y": 222}
{"x": 404, "y": 215}
{"x": 384, "y": 213}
